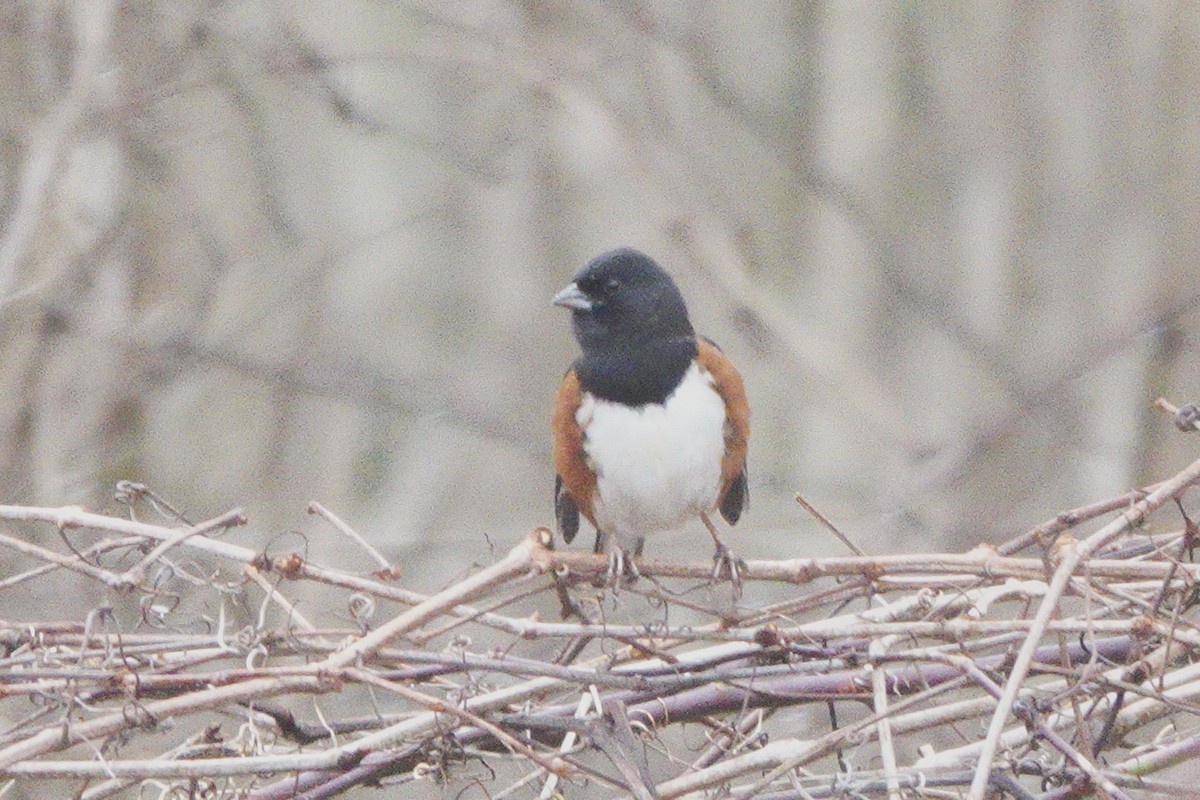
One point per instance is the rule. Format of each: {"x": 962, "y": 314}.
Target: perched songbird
{"x": 651, "y": 423}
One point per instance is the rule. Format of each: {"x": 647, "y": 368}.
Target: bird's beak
{"x": 572, "y": 298}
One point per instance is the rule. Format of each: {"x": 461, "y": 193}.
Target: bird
{"x": 651, "y": 423}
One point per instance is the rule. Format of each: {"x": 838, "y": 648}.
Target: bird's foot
{"x": 727, "y": 565}
{"x": 622, "y": 570}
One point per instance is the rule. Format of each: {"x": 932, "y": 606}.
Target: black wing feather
{"x": 565, "y": 512}
{"x": 736, "y": 499}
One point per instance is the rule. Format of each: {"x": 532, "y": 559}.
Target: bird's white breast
{"x": 656, "y": 465}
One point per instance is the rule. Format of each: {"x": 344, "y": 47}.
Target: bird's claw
{"x": 622, "y": 570}
{"x": 727, "y": 565}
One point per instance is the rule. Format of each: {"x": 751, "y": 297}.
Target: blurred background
{"x": 261, "y": 253}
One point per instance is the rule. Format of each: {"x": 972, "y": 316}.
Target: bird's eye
{"x": 612, "y": 284}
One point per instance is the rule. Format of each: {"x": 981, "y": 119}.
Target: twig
{"x": 586, "y": 702}
{"x": 519, "y": 560}
{"x": 62, "y": 736}
{"x": 887, "y": 747}
{"x": 387, "y": 569}
{"x": 982, "y": 562}
{"x": 97, "y": 549}
{"x": 71, "y": 517}
{"x": 136, "y": 574}
{"x": 73, "y": 563}
{"x": 1071, "y": 555}
{"x": 1186, "y": 418}
{"x": 274, "y": 596}
{"x": 811, "y": 509}
{"x": 1048, "y": 530}
{"x": 554, "y": 765}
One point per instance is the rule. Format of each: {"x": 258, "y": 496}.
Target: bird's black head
{"x": 623, "y": 299}
{"x": 632, "y": 324}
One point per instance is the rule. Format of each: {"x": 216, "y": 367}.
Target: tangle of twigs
{"x": 1059, "y": 664}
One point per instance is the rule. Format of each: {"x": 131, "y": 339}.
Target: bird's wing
{"x": 735, "y": 492}
{"x": 575, "y": 483}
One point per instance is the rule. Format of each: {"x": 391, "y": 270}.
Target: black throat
{"x": 635, "y": 376}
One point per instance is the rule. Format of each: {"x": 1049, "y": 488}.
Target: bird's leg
{"x": 725, "y": 563}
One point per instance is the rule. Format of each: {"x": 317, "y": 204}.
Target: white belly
{"x": 657, "y": 466}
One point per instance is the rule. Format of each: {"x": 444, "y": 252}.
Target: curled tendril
{"x": 155, "y": 612}
{"x": 644, "y": 721}
{"x": 361, "y": 607}
{"x": 247, "y": 639}
{"x": 128, "y": 492}
{"x": 257, "y": 656}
